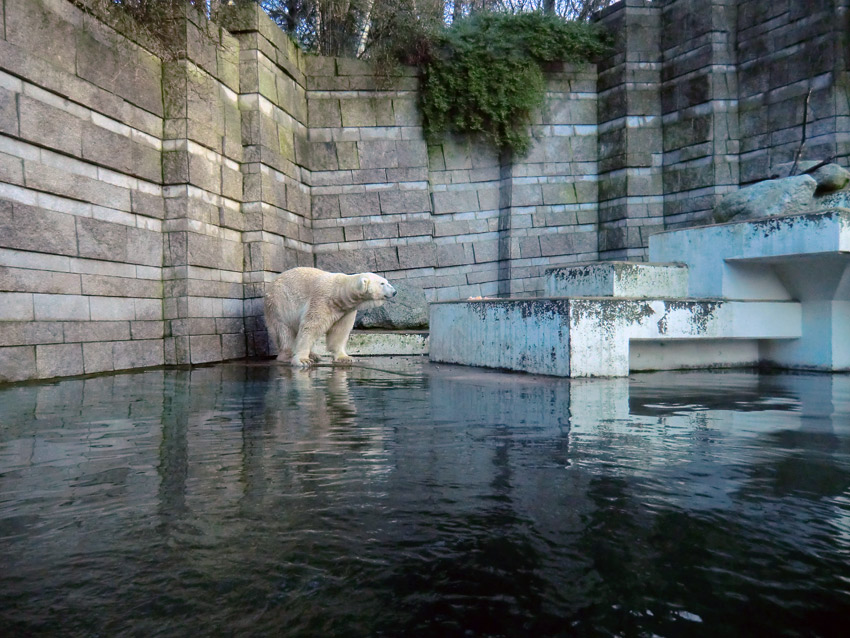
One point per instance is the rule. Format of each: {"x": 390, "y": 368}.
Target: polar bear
{"x": 302, "y": 304}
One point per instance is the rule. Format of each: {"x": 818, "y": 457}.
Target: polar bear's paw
{"x": 343, "y": 360}
{"x": 302, "y": 362}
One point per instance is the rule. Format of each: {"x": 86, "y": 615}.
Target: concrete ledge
{"x": 618, "y": 279}
{"x": 590, "y": 337}
{"x": 737, "y": 260}
{"x": 373, "y": 343}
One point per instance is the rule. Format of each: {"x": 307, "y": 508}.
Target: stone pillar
{"x": 630, "y": 140}
{"x": 202, "y": 187}
{"x": 276, "y": 195}
{"x": 549, "y": 197}
{"x": 699, "y": 100}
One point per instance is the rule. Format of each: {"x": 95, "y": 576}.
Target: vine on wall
{"x": 485, "y": 73}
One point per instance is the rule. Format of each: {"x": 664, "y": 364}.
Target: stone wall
{"x": 146, "y": 200}
{"x": 82, "y": 212}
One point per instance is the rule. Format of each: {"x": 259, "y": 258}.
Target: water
{"x": 250, "y": 500}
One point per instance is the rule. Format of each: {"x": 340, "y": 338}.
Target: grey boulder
{"x": 407, "y": 310}
{"x": 831, "y": 178}
{"x": 787, "y": 196}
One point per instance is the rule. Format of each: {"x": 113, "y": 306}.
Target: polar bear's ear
{"x": 363, "y": 284}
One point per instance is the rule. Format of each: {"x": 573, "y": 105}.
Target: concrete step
{"x": 593, "y": 337}
{"x": 365, "y": 343}
{"x": 626, "y": 279}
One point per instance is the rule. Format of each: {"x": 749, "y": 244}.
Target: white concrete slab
{"x": 591, "y": 337}
{"x": 374, "y": 343}
{"x": 618, "y": 279}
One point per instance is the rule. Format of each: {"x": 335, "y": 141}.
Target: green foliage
{"x": 485, "y": 73}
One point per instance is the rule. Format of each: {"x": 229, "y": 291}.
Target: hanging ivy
{"x": 485, "y": 73}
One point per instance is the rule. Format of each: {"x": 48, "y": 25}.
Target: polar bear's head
{"x": 373, "y": 290}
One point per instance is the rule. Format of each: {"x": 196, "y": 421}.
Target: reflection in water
{"x": 252, "y": 499}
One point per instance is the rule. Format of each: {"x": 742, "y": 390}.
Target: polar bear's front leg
{"x": 337, "y": 337}
{"x": 302, "y": 349}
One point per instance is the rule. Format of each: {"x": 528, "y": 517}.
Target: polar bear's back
{"x": 304, "y": 282}
{"x": 290, "y": 294}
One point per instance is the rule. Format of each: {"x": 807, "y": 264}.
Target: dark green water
{"x": 252, "y": 500}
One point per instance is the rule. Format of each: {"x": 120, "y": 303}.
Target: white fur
{"x": 304, "y": 303}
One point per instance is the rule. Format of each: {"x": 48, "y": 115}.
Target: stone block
{"x": 8, "y": 112}
{"x": 27, "y": 280}
{"x": 354, "y": 233}
{"x": 25, "y": 333}
{"x": 554, "y": 194}
{"x": 98, "y": 357}
{"x": 486, "y": 251}
{"x": 347, "y": 155}
{"x": 98, "y": 239}
{"x": 140, "y": 354}
{"x": 455, "y": 201}
{"x": 386, "y": 259}
{"x": 175, "y": 167}
{"x": 213, "y": 252}
{"x": 380, "y": 231}
{"x": 11, "y": 169}
{"x": 17, "y": 364}
{"x": 323, "y": 156}
{"x": 233, "y": 346}
{"x": 415, "y": 228}
{"x": 144, "y": 247}
{"x": 46, "y": 30}
{"x": 347, "y": 261}
{"x": 454, "y": 255}
{"x": 146, "y": 204}
{"x": 16, "y": 306}
{"x": 414, "y": 201}
{"x": 412, "y": 153}
{"x": 359, "y": 204}
{"x": 79, "y": 187}
{"x": 231, "y": 183}
{"x": 328, "y": 235}
{"x": 59, "y": 360}
{"x": 111, "y": 309}
{"x": 384, "y": 112}
{"x": 406, "y": 112}
{"x": 88, "y": 331}
{"x": 526, "y": 195}
{"x": 25, "y": 227}
{"x": 119, "y": 67}
{"x": 358, "y": 112}
{"x": 324, "y": 113}
{"x": 204, "y": 173}
{"x": 489, "y": 198}
{"x": 48, "y": 307}
{"x": 378, "y": 154}
{"x": 49, "y": 126}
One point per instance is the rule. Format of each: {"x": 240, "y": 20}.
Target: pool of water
{"x": 410, "y": 499}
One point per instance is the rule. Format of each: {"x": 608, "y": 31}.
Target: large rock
{"x": 772, "y": 197}
{"x": 407, "y": 310}
{"x": 831, "y": 178}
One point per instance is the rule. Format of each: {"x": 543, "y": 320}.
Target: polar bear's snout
{"x": 388, "y": 290}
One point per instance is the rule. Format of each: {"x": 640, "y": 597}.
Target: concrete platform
{"x": 618, "y": 279}
{"x": 805, "y": 258}
{"x": 374, "y": 343}
{"x": 593, "y": 337}
{"x": 773, "y": 291}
